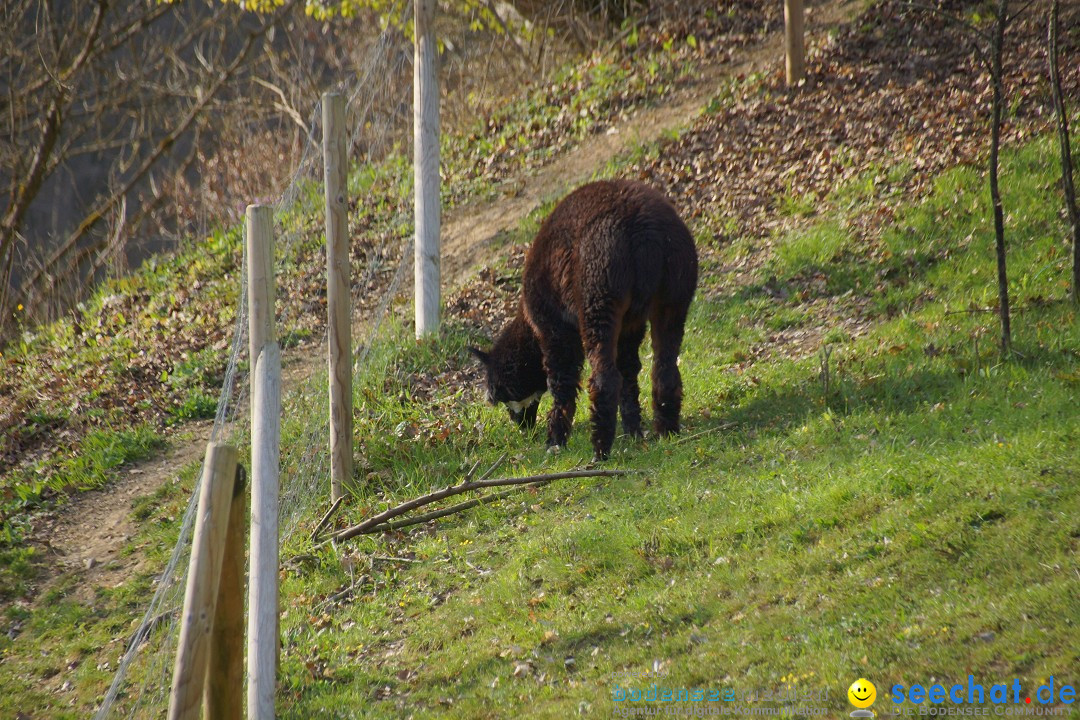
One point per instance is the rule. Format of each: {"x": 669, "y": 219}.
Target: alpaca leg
{"x": 629, "y": 363}
{"x": 604, "y": 387}
{"x": 600, "y": 332}
{"x": 563, "y": 358}
{"x": 667, "y": 323}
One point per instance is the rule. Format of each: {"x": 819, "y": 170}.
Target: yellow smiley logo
{"x": 862, "y": 693}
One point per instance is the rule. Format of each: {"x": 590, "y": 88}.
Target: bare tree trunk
{"x": 32, "y": 287}
{"x": 27, "y": 190}
{"x": 1066, "y": 152}
{"x": 995, "y": 194}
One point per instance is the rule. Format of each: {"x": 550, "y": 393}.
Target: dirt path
{"x": 87, "y": 536}
{"x": 468, "y": 233}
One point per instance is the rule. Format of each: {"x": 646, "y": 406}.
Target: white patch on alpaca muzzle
{"x": 520, "y": 405}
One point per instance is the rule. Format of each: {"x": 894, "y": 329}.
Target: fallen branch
{"x": 489, "y": 472}
{"x": 342, "y": 594}
{"x": 464, "y": 487}
{"x": 297, "y": 560}
{"x": 326, "y": 518}
{"x": 436, "y": 514}
{"x": 142, "y": 633}
{"x": 468, "y": 476}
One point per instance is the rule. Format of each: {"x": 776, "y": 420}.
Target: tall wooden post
{"x": 338, "y": 299}
{"x": 225, "y": 672}
{"x": 262, "y": 648}
{"x": 794, "y": 49}
{"x": 426, "y": 169}
{"x": 260, "y": 249}
{"x": 204, "y": 574}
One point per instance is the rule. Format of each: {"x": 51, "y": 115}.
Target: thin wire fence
{"x": 141, "y": 683}
{"x": 378, "y": 114}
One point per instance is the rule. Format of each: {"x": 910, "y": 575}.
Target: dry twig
{"x": 326, "y": 518}
{"x": 383, "y": 518}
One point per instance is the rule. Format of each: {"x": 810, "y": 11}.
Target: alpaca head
{"x": 514, "y": 371}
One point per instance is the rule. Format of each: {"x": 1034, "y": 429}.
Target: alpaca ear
{"x": 480, "y": 355}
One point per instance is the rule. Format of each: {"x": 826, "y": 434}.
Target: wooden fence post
{"x": 260, "y": 249}
{"x": 204, "y": 574}
{"x": 794, "y": 48}
{"x": 225, "y": 672}
{"x": 338, "y": 297}
{"x": 263, "y": 635}
{"x": 426, "y": 169}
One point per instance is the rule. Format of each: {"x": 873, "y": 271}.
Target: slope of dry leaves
{"x": 641, "y": 66}
{"x": 896, "y": 87}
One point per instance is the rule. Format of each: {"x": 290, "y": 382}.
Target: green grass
{"x": 916, "y": 521}
{"x": 919, "y": 521}
{"x": 57, "y": 659}
{"x": 814, "y": 250}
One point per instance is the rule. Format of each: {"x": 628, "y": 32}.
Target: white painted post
{"x": 262, "y": 649}
{"x": 426, "y": 169}
{"x": 794, "y": 51}
{"x": 338, "y": 299}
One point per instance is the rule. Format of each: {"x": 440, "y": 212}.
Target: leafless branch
{"x": 464, "y": 487}
{"x": 285, "y": 105}
{"x": 162, "y": 146}
{"x": 326, "y": 518}
{"x": 980, "y": 39}
{"x": 436, "y": 514}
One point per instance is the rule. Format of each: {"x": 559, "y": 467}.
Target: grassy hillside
{"x": 914, "y": 517}
{"x": 917, "y": 519}
{"x": 146, "y": 353}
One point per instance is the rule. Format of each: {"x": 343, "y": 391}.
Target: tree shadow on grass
{"x": 896, "y": 388}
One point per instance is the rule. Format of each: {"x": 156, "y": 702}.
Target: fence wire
{"x": 141, "y": 684}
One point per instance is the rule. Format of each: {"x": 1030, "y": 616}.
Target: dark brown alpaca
{"x": 612, "y": 256}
